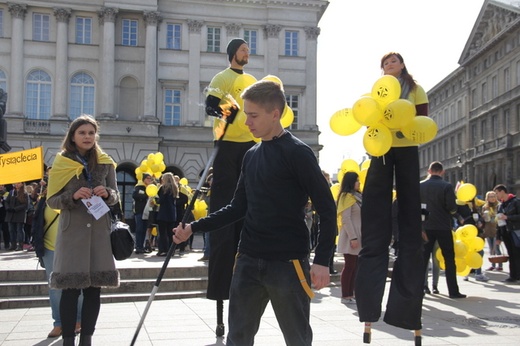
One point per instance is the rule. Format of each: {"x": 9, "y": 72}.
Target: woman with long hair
{"x": 83, "y": 262}
{"x": 17, "y": 204}
{"x": 489, "y": 214}
{"x": 349, "y": 226}
{"x": 166, "y": 216}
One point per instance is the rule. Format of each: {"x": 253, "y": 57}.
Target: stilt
{"x": 220, "y": 318}
{"x": 367, "y": 335}
{"x": 417, "y": 334}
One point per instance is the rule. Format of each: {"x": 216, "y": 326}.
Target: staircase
{"x": 29, "y": 288}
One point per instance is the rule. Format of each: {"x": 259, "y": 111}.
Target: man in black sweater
{"x": 439, "y": 197}
{"x": 278, "y": 176}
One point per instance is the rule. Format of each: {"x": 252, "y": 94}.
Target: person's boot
{"x": 19, "y": 247}
{"x": 85, "y": 340}
{"x": 69, "y": 341}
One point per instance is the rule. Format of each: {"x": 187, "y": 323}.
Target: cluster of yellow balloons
{"x": 153, "y": 165}
{"x": 350, "y": 165}
{"x": 382, "y": 111}
{"x": 466, "y": 244}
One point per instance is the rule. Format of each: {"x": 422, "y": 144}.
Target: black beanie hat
{"x": 233, "y": 46}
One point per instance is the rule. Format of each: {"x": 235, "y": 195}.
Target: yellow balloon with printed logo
{"x": 377, "y": 140}
{"x": 386, "y": 89}
{"x": 343, "y": 123}
{"x": 420, "y": 129}
{"x": 476, "y": 244}
{"x": 398, "y": 113}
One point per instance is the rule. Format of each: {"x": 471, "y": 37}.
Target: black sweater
{"x": 276, "y": 180}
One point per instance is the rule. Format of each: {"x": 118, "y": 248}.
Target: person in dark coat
{"x": 17, "y": 203}
{"x": 167, "y": 215}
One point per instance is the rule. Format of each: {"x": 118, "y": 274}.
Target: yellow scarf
{"x": 63, "y": 169}
{"x": 345, "y": 201}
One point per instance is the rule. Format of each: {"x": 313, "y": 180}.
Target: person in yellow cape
{"x": 349, "y": 226}
{"x": 83, "y": 260}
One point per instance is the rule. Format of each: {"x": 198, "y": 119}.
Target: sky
{"x": 355, "y": 34}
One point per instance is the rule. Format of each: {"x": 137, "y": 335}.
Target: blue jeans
{"x": 255, "y": 282}
{"x": 140, "y": 231}
{"x": 54, "y": 294}
{"x": 435, "y": 268}
{"x": 17, "y": 233}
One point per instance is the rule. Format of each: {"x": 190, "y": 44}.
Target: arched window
{"x": 82, "y": 93}
{"x": 38, "y": 95}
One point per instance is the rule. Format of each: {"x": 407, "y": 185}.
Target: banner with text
{"x": 21, "y": 166}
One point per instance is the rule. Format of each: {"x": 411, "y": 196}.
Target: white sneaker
{"x": 481, "y": 277}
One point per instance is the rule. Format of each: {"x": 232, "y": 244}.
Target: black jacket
{"x": 140, "y": 198}
{"x": 511, "y": 208}
{"x": 439, "y": 197}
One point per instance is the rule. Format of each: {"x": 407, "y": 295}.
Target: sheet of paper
{"x": 96, "y": 206}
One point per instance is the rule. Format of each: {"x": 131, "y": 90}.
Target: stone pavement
{"x": 489, "y": 316}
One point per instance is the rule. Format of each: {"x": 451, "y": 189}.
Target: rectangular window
{"x": 83, "y": 30}
{"x": 474, "y": 134}
{"x": 473, "y": 98}
{"x": 293, "y": 102}
{"x": 494, "y": 87}
{"x": 213, "y": 40}
{"x": 291, "y": 43}
{"x": 518, "y": 73}
{"x": 494, "y": 126}
{"x": 507, "y": 79}
{"x": 505, "y": 125}
{"x": 1, "y": 23}
{"x": 172, "y": 107}
{"x": 173, "y": 36}
{"x": 251, "y": 37}
{"x": 484, "y": 92}
{"x": 41, "y": 27}
{"x": 130, "y": 32}
{"x": 483, "y": 130}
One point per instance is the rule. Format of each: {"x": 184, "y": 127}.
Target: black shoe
{"x": 435, "y": 290}
{"x": 139, "y": 251}
{"x": 427, "y": 290}
{"x": 457, "y": 296}
{"x": 161, "y": 254}
{"x": 510, "y": 280}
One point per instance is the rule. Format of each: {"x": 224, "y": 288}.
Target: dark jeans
{"x": 256, "y": 282}
{"x": 140, "y": 231}
{"x": 348, "y": 275}
{"x": 406, "y": 290}
{"x": 514, "y": 256}
{"x": 445, "y": 240}
{"x": 89, "y": 310}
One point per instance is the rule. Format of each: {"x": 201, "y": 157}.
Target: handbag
{"x": 122, "y": 240}
{"x": 498, "y": 258}
{"x": 515, "y": 234}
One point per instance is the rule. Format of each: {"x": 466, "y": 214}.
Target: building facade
{"x": 477, "y": 107}
{"x": 141, "y": 68}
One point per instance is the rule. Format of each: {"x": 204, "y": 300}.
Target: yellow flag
{"x": 21, "y": 166}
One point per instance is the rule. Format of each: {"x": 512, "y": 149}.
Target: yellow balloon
{"x": 159, "y": 157}
{"x": 139, "y": 176}
{"x": 335, "y": 190}
{"x": 465, "y": 271}
{"x": 242, "y": 82}
{"x": 438, "y": 255}
{"x": 340, "y": 175}
{"x": 138, "y": 171}
{"x": 365, "y": 164}
{"x": 287, "y": 117}
{"x": 150, "y": 159}
{"x": 398, "y": 113}
{"x": 420, "y": 129}
{"x": 350, "y": 165}
{"x": 476, "y": 244}
{"x": 460, "y": 264}
{"x": 155, "y": 168}
{"x": 466, "y": 192}
{"x": 461, "y": 249}
{"x": 200, "y": 209}
{"x": 386, "y": 89}
{"x": 474, "y": 260}
{"x": 363, "y": 176}
{"x": 367, "y": 111}
{"x": 466, "y": 232}
{"x": 144, "y": 166}
{"x": 442, "y": 264}
{"x": 157, "y": 174}
{"x": 275, "y": 79}
{"x": 377, "y": 140}
{"x": 162, "y": 167}
{"x": 183, "y": 181}
{"x": 343, "y": 123}
{"x": 151, "y": 190}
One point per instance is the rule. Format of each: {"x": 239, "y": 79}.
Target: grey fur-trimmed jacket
{"x": 83, "y": 254}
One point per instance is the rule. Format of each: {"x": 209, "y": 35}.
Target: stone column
{"x": 311, "y": 75}
{"x": 272, "y": 32}
{"x": 16, "y": 79}
{"x": 107, "y": 18}
{"x": 60, "y": 90}
{"x": 194, "y": 110}
{"x": 151, "y": 20}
